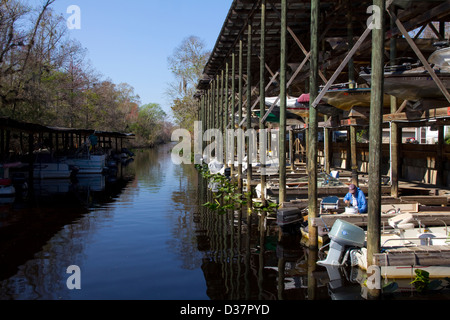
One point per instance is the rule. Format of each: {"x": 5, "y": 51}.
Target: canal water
{"x": 143, "y": 234}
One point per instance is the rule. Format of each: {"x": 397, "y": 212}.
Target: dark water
{"x": 132, "y": 239}
{"x": 145, "y": 236}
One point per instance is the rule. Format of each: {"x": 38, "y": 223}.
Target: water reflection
{"x": 144, "y": 234}
{"x": 46, "y": 228}
{"x": 244, "y": 259}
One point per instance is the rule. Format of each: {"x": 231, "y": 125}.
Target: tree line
{"x": 45, "y": 78}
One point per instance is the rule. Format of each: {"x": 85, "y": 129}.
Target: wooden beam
{"x": 341, "y": 67}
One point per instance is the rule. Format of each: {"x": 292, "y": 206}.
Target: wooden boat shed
{"x": 289, "y": 47}
{"x": 30, "y": 137}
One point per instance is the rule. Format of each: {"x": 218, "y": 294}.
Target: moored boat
{"x": 345, "y": 98}
{"x": 348, "y": 247}
{"x": 412, "y": 82}
{"x": 47, "y": 167}
{"x": 87, "y": 163}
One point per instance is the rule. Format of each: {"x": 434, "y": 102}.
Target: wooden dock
{"x": 428, "y": 219}
{"x": 414, "y": 256}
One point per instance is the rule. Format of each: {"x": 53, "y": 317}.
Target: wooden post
{"x": 30, "y": 159}
{"x": 394, "y": 126}
{"x": 312, "y": 126}
{"x": 439, "y": 163}
{"x": 226, "y": 113}
{"x": 291, "y": 148}
{"x": 241, "y": 95}
{"x": 354, "y": 161}
{"x": 206, "y": 113}
{"x": 218, "y": 108}
{"x": 327, "y": 147}
{"x": 376, "y": 113}
{"x": 2, "y": 144}
{"x": 233, "y": 105}
{"x": 262, "y": 93}
{"x": 222, "y": 102}
{"x": 210, "y": 104}
{"x": 249, "y": 104}
{"x": 351, "y": 79}
{"x": 282, "y": 138}
{"x": 212, "y": 98}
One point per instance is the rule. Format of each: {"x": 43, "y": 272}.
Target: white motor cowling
{"x": 342, "y": 236}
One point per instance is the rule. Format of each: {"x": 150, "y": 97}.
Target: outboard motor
{"x": 343, "y": 235}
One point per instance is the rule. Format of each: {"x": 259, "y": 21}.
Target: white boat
{"x": 413, "y": 83}
{"x": 87, "y": 163}
{"x": 47, "y": 170}
{"x": 46, "y": 167}
{"x": 347, "y": 246}
{"x": 299, "y": 107}
{"x": 7, "y": 189}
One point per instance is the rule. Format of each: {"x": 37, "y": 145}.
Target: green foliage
{"x": 149, "y": 124}
{"x": 46, "y": 79}
{"x": 186, "y": 63}
{"x": 269, "y": 207}
{"x": 422, "y": 281}
{"x": 227, "y": 197}
{"x": 447, "y": 138}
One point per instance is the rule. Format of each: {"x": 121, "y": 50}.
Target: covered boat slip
{"x": 19, "y": 140}
{"x": 286, "y": 48}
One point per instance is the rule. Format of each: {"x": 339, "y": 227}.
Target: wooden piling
{"x": 327, "y": 148}
{"x": 262, "y": 105}
{"x": 354, "y": 160}
{"x": 226, "y": 112}
{"x": 376, "y": 113}
{"x": 395, "y": 137}
{"x": 217, "y": 106}
{"x": 249, "y": 111}
{"x": 282, "y": 138}
{"x": 233, "y": 105}
{"x": 241, "y": 95}
{"x": 312, "y": 126}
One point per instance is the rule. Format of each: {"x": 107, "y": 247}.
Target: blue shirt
{"x": 360, "y": 200}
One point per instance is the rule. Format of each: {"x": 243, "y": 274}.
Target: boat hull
{"x": 346, "y": 99}
{"x": 93, "y": 164}
{"x": 51, "y": 171}
{"x": 415, "y": 87}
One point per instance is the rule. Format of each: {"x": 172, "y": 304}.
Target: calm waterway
{"x": 144, "y": 235}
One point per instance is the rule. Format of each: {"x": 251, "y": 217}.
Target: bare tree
{"x": 186, "y": 64}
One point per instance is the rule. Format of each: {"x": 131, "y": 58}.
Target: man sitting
{"x": 356, "y": 198}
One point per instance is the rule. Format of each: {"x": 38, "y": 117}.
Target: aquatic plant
{"x": 269, "y": 207}
{"x": 226, "y": 196}
{"x": 422, "y": 281}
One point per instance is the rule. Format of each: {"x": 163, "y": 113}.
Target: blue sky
{"x": 130, "y": 41}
